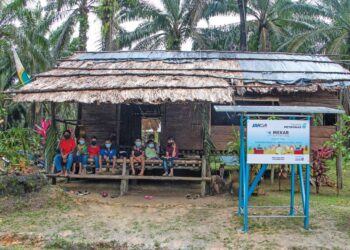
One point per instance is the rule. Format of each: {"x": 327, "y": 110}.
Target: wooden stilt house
{"x": 128, "y": 94}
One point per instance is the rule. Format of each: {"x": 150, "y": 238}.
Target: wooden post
{"x": 53, "y": 114}
{"x": 118, "y": 126}
{"x": 32, "y": 115}
{"x": 339, "y": 157}
{"x": 272, "y": 175}
{"x": 204, "y": 172}
{"x": 208, "y": 156}
{"x": 124, "y": 183}
{"x": 49, "y": 165}
{"x": 79, "y": 113}
{"x": 206, "y": 153}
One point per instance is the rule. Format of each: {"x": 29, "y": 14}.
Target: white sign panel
{"x": 278, "y": 141}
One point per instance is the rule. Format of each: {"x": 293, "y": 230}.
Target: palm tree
{"x": 329, "y": 28}
{"x": 73, "y": 13}
{"x": 27, "y": 30}
{"x": 242, "y": 6}
{"x": 168, "y": 28}
{"x": 112, "y": 13}
{"x": 222, "y": 38}
{"x": 272, "y": 22}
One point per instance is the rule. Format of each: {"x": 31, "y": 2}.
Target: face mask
{"x": 93, "y": 142}
{"x": 151, "y": 145}
{"x": 66, "y": 136}
{"x": 81, "y": 141}
{"x": 108, "y": 145}
{"x": 138, "y": 144}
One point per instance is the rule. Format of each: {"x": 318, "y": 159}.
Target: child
{"x": 137, "y": 155}
{"x": 151, "y": 150}
{"x": 172, "y": 153}
{"x": 82, "y": 155}
{"x": 67, "y": 146}
{"x": 156, "y": 145}
{"x": 108, "y": 154}
{"x": 94, "y": 152}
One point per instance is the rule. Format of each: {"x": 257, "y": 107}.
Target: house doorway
{"x": 151, "y": 126}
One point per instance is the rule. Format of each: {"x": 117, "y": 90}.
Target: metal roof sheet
{"x": 266, "y": 68}
{"x": 277, "y": 109}
{"x": 180, "y": 55}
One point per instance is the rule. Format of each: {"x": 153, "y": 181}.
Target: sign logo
{"x": 259, "y": 125}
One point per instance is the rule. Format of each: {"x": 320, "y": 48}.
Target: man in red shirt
{"x": 94, "y": 152}
{"x": 66, "y": 156}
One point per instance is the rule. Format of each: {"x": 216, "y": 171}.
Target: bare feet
{"x": 141, "y": 174}
{"x": 59, "y": 173}
{"x": 165, "y": 174}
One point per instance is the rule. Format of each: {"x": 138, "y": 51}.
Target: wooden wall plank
{"x": 183, "y": 121}
{"x": 99, "y": 120}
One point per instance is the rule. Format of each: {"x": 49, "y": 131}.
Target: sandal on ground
{"x": 114, "y": 196}
{"x": 188, "y": 196}
{"x": 195, "y": 196}
{"x": 148, "y": 197}
{"x": 86, "y": 192}
{"x": 104, "y": 194}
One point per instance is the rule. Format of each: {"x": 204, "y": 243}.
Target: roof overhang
{"x": 277, "y": 110}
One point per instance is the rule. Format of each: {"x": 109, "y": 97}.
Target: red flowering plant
{"x": 43, "y": 128}
{"x": 319, "y": 166}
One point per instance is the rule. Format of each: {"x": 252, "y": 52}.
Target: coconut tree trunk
{"x": 264, "y": 43}
{"x": 107, "y": 12}
{"x": 242, "y": 5}
{"x": 83, "y": 25}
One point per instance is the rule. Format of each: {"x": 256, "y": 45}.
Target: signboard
{"x": 278, "y": 142}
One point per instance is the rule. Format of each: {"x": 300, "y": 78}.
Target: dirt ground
{"x": 56, "y": 218}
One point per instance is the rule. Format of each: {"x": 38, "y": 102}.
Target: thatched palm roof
{"x": 160, "y": 76}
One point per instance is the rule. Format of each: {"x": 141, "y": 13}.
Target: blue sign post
{"x": 285, "y": 143}
{"x": 287, "y": 154}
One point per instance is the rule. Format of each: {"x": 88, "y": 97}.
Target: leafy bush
{"x": 19, "y": 144}
{"x": 340, "y": 139}
{"x": 233, "y": 146}
{"x": 17, "y": 185}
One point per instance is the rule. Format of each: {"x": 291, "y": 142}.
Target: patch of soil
{"x": 168, "y": 220}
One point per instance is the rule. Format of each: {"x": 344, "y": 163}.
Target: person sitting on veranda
{"x": 108, "y": 155}
{"x": 82, "y": 155}
{"x": 94, "y": 152}
{"x": 171, "y": 154}
{"x": 67, "y": 146}
{"x": 156, "y": 145}
{"x": 151, "y": 152}
{"x": 137, "y": 155}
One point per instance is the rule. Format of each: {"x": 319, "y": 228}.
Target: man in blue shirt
{"x": 108, "y": 154}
